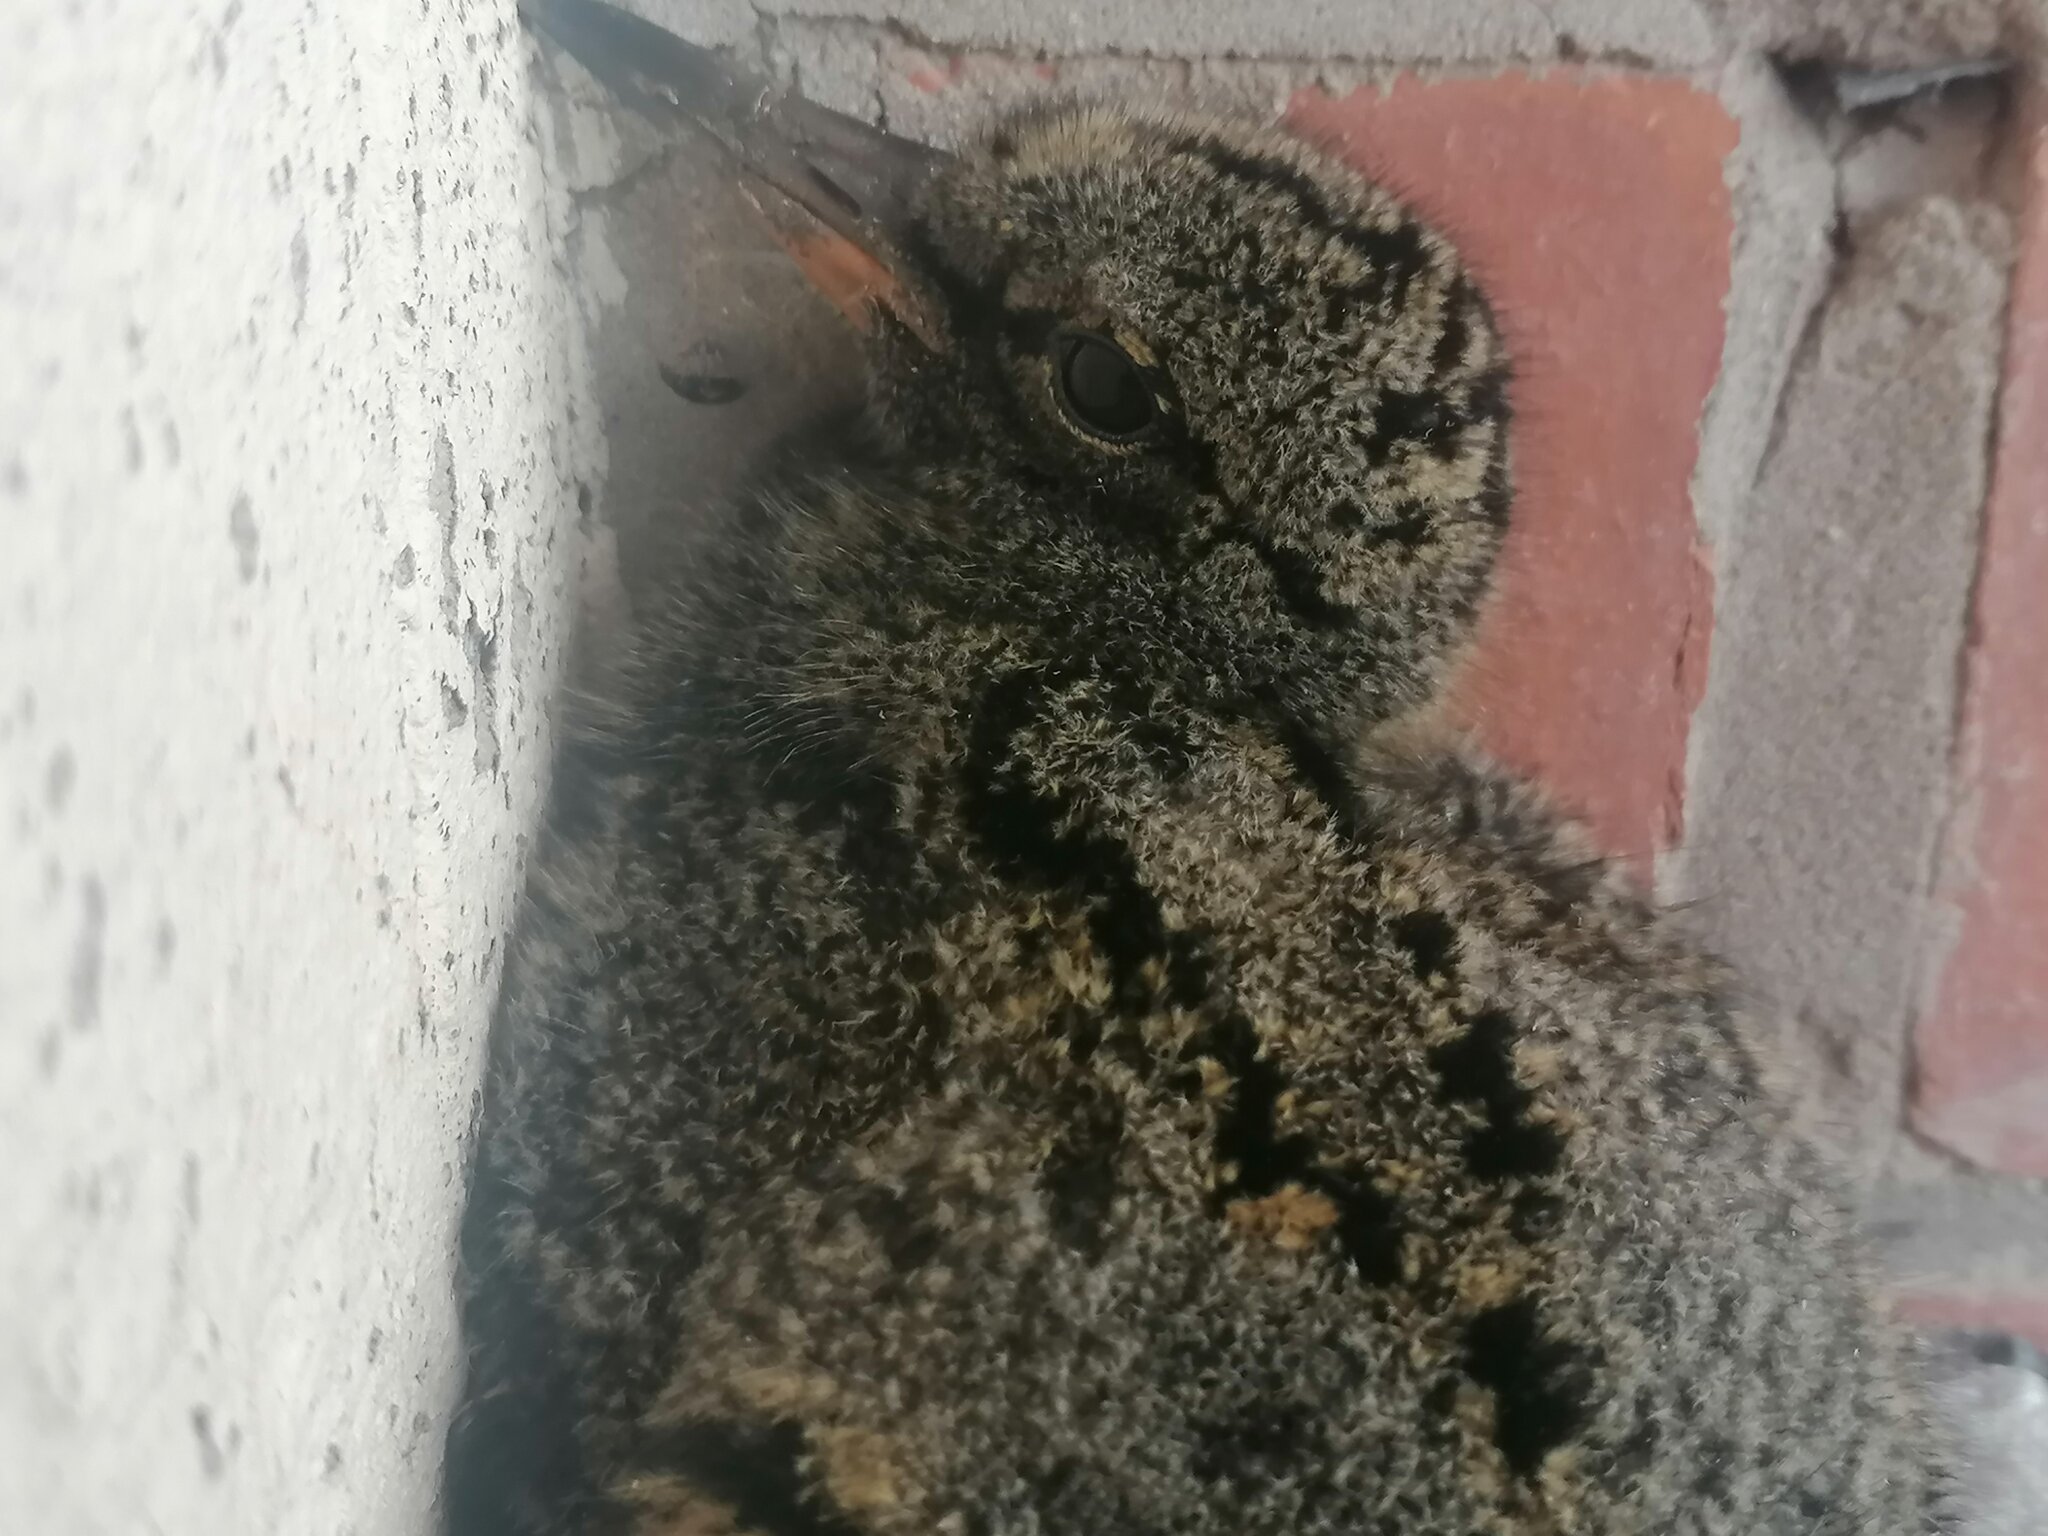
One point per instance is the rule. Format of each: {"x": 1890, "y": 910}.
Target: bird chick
{"x": 993, "y": 1048}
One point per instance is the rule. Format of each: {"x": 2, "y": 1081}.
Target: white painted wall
{"x": 290, "y": 443}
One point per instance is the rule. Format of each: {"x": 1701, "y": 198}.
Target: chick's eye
{"x": 1100, "y": 387}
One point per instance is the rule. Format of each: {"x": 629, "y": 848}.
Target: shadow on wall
{"x": 710, "y": 345}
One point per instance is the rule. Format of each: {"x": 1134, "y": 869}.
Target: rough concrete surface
{"x": 1981, "y": 1080}
{"x": 292, "y": 424}
{"x": 1781, "y": 185}
{"x": 1819, "y": 784}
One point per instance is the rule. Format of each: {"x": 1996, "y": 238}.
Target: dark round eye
{"x": 1100, "y": 387}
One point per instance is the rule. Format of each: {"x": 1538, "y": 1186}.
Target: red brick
{"x": 2022, "y": 1314}
{"x": 1981, "y": 1079}
{"x": 1595, "y": 211}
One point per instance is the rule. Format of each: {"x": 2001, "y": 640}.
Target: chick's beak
{"x": 840, "y": 195}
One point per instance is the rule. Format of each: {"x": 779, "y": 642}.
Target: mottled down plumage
{"x": 1002, "y": 1042}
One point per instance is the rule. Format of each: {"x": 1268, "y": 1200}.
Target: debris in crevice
{"x": 1858, "y": 90}
{"x": 1823, "y": 88}
{"x": 1898, "y": 135}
